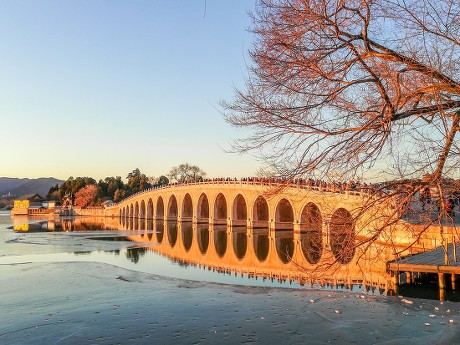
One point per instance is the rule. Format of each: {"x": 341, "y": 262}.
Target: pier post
{"x": 409, "y": 277}
{"x": 442, "y": 286}
{"x": 395, "y": 282}
{"x": 454, "y": 248}
{"x": 453, "y": 282}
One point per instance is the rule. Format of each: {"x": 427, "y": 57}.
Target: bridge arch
{"x": 240, "y": 209}
{"x": 284, "y": 234}
{"x": 311, "y": 233}
{"x": 142, "y": 209}
{"x": 131, "y": 211}
{"x": 172, "y": 207}
{"x": 187, "y": 207}
{"x": 220, "y": 209}
{"x": 203, "y": 208}
{"x": 136, "y": 210}
{"x": 160, "y": 209}
{"x": 284, "y": 215}
{"x": 150, "y": 209}
{"x": 342, "y": 235}
{"x": 261, "y": 212}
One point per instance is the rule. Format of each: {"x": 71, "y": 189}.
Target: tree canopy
{"x": 186, "y": 173}
{"x": 86, "y": 196}
{"x": 346, "y": 86}
{"x": 89, "y": 192}
{"x": 137, "y": 181}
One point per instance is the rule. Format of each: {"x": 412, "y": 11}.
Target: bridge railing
{"x": 340, "y": 188}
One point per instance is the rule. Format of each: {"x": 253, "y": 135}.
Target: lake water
{"x": 199, "y": 252}
{"x": 88, "y": 280}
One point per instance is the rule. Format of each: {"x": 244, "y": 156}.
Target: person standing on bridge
{"x": 425, "y": 197}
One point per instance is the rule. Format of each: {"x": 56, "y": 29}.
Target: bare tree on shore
{"x": 338, "y": 89}
{"x": 185, "y": 172}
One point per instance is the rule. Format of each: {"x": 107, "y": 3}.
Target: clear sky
{"x": 101, "y": 87}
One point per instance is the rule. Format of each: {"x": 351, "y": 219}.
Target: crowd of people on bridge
{"x": 354, "y": 187}
{"x": 449, "y": 202}
{"x": 299, "y": 182}
{"x": 315, "y": 184}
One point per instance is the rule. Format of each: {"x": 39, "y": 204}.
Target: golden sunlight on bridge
{"x": 310, "y": 235}
{"x": 291, "y": 232}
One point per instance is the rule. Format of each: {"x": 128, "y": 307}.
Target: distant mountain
{"x": 20, "y": 186}
{"x": 9, "y": 183}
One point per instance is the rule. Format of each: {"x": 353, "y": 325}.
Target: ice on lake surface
{"x": 64, "y": 287}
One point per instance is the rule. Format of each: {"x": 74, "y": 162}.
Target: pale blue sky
{"x": 99, "y": 88}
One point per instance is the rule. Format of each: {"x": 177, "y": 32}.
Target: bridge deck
{"x": 433, "y": 261}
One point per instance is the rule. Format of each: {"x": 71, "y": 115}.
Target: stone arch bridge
{"x": 324, "y": 218}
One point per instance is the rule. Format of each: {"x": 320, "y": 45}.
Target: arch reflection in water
{"x": 150, "y": 229}
{"x": 239, "y": 241}
{"x": 187, "y": 235}
{"x": 284, "y": 242}
{"x": 220, "y": 239}
{"x": 159, "y": 231}
{"x": 203, "y": 237}
{"x": 261, "y": 243}
{"x": 172, "y": 233}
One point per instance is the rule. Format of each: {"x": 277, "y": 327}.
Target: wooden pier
{"x": 442, "y": 260}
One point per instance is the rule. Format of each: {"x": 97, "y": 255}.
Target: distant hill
{"x": 9, "y": 183}
{"x": 20, "y": 186}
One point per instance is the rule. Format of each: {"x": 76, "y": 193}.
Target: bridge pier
{"x": 297, "y": 231}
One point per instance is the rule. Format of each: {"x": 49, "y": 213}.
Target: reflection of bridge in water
{"x": 258, "y": 253}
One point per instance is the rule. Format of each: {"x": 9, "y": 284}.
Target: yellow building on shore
{"x": 30, "y": 204}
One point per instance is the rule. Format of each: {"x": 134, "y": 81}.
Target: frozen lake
{"x": 99, "y": 286}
